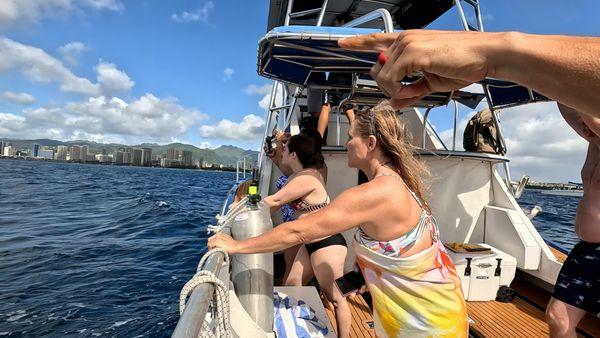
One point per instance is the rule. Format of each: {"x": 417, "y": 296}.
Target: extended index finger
{"x": 376, "y": 41}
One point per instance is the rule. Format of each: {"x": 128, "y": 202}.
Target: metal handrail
{"x": 455, "y": 122}
{"x": 425, "y": 127}
{"x": 191, "y": 321}
{"x": 289, "y": 15}
{"x": 381, "y": 13}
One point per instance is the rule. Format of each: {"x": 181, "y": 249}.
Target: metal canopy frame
{"x": 308, "y": 49}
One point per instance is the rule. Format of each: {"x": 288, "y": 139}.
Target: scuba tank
{"x": 252, "y": 274}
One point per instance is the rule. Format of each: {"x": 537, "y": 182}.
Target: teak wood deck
{"x": 523, "y": 317}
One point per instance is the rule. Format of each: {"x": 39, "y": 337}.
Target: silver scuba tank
{"x": 252, "y": 274}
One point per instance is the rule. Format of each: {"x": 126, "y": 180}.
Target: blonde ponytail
{"x": 382, "y": 122}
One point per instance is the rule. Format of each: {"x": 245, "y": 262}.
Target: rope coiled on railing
{"x": 221, "y": 295}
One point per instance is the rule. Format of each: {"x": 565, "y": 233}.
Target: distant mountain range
{"x": 227, "y": 154}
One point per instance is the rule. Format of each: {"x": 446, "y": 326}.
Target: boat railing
{"x": 463, "y": 17}
{"x": 381, "y": 13}
{"x": 192, "y": 320}
{"x": 243, "y": 162}
{"x": 295, "y": 15}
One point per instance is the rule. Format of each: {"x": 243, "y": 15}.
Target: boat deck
{"x": 523, "y": 317}
{"x": 362, "y": 321}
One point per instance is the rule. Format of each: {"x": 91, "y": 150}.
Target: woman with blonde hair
{"x": 415, "y": 288}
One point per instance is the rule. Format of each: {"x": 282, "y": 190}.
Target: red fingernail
{"x": 382, "y": 58}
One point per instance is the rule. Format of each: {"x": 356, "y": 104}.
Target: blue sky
{"x": 162, "y": 71}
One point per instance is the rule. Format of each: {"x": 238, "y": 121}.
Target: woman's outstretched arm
{"x": 348, "y": 210}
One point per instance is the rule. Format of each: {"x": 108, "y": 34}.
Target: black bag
{"x": 481, "y": 134}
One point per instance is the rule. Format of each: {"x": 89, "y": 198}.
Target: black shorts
{"x": 578, "y": 282}
{"x": 337, "y": 239}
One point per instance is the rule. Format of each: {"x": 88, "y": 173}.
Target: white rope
{"x": 221, "y": 295}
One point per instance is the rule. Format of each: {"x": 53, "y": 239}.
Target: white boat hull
{"x": 571, "y": 193}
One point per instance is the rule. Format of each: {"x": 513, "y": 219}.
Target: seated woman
{"x": 305, "y": 191}
{"x": 414, "y": 285}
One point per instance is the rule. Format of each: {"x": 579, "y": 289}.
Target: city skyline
{"x": 170, "y": 155}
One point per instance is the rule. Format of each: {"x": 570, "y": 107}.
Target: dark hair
{"x": 344, "y": 18}
{"x": 308, "y": 150}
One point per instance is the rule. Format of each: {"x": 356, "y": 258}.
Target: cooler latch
{"x": 498, "y": 271}
{"x": 468, "y": 268}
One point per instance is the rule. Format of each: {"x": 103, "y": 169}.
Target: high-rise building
{"x": 146, "y": 156}
{"x": 186, "y": 158}
{"x": 127, "y": 157}
{"x": 35, "y": 149}
{"x": 118, "y": 157}
{"x": 46, "y": 153}
{"x": 172, "y": 154}
{"x": 9, "y": 151}
{"x": 136, "y": 157}
{"x": 84, "y": 153}
{"x": 1, "y": 148}
{"x": 61, "y": 153}
{"x": 75, "y": 153}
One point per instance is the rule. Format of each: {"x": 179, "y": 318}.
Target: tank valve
{"x": 253, "y": 196}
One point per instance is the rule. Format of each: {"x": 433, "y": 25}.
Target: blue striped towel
{"x": 294, "y": 318}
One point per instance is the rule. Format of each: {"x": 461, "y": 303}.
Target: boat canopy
{"x": 293, "y": 53}
{"x": 407, "y": 14}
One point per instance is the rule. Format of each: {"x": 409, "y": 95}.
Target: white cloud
{"x": 113, "y": 5}
{"x": 259, "y": 90}
{"x": 39, "y": 66}
{"x": 205, "y": 145}
{"x": 18, "y": 98}
{"x": 146, "y": 119}
{"x": 539, "y": 143}
{"x": 200, "y": 14}
{"x": 266, "y": 99}
{"x": 264, "y": 102}
{"x": 250, "y": 128}
{"x": 19, "y": 12}
{"x": 71, "y": 51}
{"x": 227, "y": 73}
{"x": 264, "y": 90}
{"x": 111, "y": 79}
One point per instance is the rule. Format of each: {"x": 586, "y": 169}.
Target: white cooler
{"x": 485, "y": 273}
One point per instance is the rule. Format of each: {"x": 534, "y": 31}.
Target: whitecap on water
{"x": 161, "y": 204}
{"x": 14, "y": 316}
{"x": 121, "y": 323}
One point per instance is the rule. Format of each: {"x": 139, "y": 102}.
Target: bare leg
{"x": 563, "y": 319}
{"x": 328, "y": 265}
{"x": 289, "y": 255}
{"x": 301, "y": 271}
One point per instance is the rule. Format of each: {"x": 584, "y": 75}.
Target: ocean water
{"x": 555, "y": 222}
{"x": 89, "y": 250}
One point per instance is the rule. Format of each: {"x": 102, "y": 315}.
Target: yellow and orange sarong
{"x": 415, "y": 296}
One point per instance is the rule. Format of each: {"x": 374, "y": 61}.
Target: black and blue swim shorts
{"x": 578, "y": 282}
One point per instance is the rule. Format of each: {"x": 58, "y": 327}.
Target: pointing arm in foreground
{"x": 563, "y": 68}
